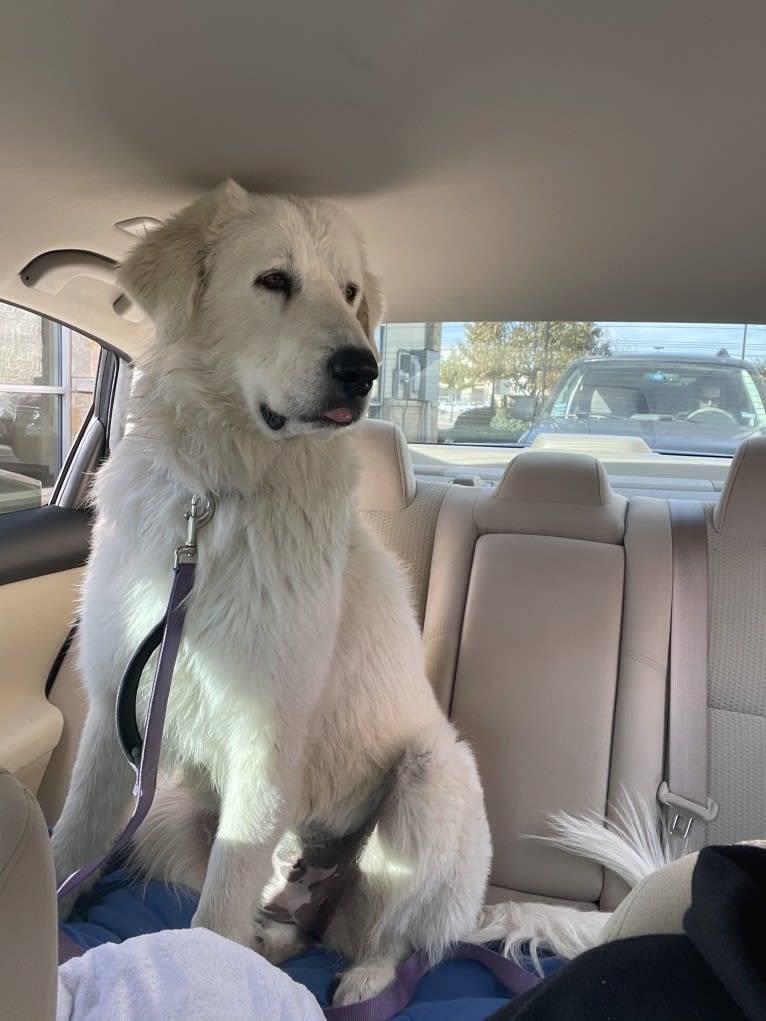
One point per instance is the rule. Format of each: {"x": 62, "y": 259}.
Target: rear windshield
{"x": 679, "y": 388}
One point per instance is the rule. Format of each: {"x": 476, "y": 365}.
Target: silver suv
{"x": 677, "y": 404}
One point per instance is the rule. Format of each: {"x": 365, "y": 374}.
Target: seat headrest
{"x": 740, "y": 511}
{"x": 559, "y": 494}
{"x": 387, "y": 480}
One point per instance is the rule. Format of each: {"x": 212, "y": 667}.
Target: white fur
{"x": 633, "y": 844}
{"x": 535, "y": 927}
{"x": 300, "y": 683}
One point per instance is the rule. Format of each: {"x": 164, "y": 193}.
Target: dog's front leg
{"x": 98, "y": 798}
{"x": 254, "y": 816}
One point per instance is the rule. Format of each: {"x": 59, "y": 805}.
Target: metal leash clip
{"x": 199, "y": 513}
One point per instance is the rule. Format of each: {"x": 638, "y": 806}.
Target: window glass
{"x": 30, "y": 349}
{"x": 680, "y": 388}
{"x": 47, "y": 379}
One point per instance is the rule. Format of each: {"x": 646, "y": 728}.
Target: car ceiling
{"x": 505, "y": 159}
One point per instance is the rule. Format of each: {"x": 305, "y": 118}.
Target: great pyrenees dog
{"x": 300, "y": 707}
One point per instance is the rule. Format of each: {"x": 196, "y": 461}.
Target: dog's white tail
{"x": 633, "y": 844}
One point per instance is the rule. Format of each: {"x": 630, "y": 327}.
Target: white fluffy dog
{"x": 300, "y": 702}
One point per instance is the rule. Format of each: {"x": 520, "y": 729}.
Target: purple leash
{"x": 395, "y": 998}
{"x": 147, "y": 768}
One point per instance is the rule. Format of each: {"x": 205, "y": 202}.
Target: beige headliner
{"x": 505, "y": 159}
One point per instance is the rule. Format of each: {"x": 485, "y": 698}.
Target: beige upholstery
{"x": 453, "y": 549}
{"x": 638, "y": 744}
{"x": 741, "y": 510}
{"x": 29, "y": 725}
{"x": 657, "y": 905}
{"x": 68, "y": 696}
{"x": 27, "y": 908}
{"x": 737, "y": 650}
{"x": 566, "y": 495}
{"x": 523, "y": 625}
{"x": 387, "y": 482}
{"x": 402, "y": 514}
{"x": 539, "y": 494}
{"x": 737, "y": 669}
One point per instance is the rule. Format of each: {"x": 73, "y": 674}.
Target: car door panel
{"x": 43, "y": 541}
{"x": 42, "y": 557}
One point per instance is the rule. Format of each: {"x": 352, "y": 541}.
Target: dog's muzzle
{"x": 351, "y": 372}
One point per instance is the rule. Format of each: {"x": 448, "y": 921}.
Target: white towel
{"x": 179, "y": 975}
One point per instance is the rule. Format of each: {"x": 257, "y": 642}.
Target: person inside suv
{"x": 710, "y": 396}
{"x": 709, "y": 402}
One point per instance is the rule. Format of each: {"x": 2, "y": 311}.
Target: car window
{"x": 681, "y": 388}
{"x": 47, "y": 377}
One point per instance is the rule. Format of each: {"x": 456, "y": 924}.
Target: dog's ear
{"x": 371, "y": 308}
{"x": 165, "y": 271}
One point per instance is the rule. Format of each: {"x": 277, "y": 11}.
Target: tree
{"x": 455, "y": 373}
{"x": 528, "y": 357}
{"x": 486, "y": 353}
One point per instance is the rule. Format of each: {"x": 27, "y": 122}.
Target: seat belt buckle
{"x": 684, "y": 812}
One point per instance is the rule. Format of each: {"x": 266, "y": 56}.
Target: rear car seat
{"x": 546, "y": 612}
{"x": 736, "y": 540}
{"x": 400, "y": 512}
{"x": 737, "y": 651}
{"x": 522, "y": 637}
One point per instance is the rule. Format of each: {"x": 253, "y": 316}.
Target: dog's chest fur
{"x": 263, "y": 618}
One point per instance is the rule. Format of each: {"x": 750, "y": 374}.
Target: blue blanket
{"x": 118, "y": 908}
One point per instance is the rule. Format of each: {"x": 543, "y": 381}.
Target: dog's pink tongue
{"x": 339, "y": 415}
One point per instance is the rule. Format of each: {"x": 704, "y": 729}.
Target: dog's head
{"x": 275, "y": 293}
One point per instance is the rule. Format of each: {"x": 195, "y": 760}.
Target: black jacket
{"x": 715, "y": 971}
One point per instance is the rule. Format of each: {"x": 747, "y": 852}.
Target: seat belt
{"x": 684, "y": 791}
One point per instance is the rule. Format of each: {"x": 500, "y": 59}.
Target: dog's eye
{"x": 351, "y": 292}
{"x": 275, "y": 280}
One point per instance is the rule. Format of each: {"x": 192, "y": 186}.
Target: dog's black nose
{"x": 355, "y": 369}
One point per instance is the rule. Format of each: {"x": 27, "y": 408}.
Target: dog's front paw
{"x": 364, "y": 981}
{"x": 276, "y": 941}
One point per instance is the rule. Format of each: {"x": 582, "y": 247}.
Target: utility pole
{"x": 545, "y": 359}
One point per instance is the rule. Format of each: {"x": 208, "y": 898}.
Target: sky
{"x": 670, "y": 338}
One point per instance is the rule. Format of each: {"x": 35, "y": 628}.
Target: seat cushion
{"x": 27, "y": 907}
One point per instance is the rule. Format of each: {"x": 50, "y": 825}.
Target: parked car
{"x": 676, "y": 403}
{"x": 486, "y": 424}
